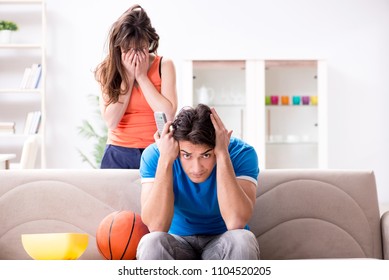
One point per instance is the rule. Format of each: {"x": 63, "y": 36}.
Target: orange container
{"x": 285, "y": 100}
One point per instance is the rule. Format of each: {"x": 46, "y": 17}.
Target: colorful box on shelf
{"x": 285, "y": 100}
{"x": 296, "y": 100}
{"x": 305, "y": 100}
{"x": 314, "y": 100}
{"x": 267, "y": 100}
{"x": 291, "y": 100}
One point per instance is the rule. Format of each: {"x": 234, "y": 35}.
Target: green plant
{"x": 8, "y": 25}
{"x": 97, "y": 132}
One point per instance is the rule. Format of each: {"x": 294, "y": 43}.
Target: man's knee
{"x": 242, "y": 244}
{"x": 152, "y": 238}
{"x": 241, "y": 235}
{"x": 151, "y": 244}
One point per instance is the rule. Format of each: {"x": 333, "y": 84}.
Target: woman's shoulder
{"x": 166, "y": 61}
{"x": 167, "y": 66}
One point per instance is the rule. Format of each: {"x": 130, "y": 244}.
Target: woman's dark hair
{"x": 134, "y": 26}
{"x": 131, "y": 30}
{"x": 194, "y": 125}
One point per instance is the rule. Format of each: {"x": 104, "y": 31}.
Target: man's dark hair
{"x": 194, "y": 125}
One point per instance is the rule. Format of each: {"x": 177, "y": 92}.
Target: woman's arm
{"x": 166, "y": 101}
{"x": 113, "y": 112}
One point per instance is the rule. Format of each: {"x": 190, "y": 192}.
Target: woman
{"x": 135, "y": 83}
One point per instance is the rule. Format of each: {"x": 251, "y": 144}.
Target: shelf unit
{"x": 28, "y": 46}
{"x": 224, "y": 82}
{"x": 242, "y": 86}
{"x": 291, "y": 130}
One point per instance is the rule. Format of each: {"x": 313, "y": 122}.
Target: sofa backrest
{"x": 298, "y": 214}
{"x": 304, "y": 214}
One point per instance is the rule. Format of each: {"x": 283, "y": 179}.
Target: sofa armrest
{"x": 385, "y": 235}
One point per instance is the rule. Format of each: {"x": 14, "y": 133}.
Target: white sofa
{"x": 299, "y": 214}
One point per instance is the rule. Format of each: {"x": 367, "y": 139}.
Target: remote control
{"x": 160, "y": 120}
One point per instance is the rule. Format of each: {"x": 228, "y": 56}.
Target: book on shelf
{"x": 7, "y": 127}
{"x": 26, "y": 76}
{"x": 33, "y": 122}
{"x": 31, "y": 77}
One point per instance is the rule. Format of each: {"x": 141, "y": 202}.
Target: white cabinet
{"x": 291, "y": 114}
{"x": 285, "y": 135}
{"x": 26, "y": 50}
{"x": 221, "y": 84}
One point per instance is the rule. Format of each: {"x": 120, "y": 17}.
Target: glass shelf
{"x": 20, "y": 46}
{"x": 20, "y": 90}
{"x": 291, "y": 143}
{"x": 291, "y": 105}
{"x": 21, "y": 1}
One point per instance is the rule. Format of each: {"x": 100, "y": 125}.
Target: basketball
{"x": 118, "y": 235}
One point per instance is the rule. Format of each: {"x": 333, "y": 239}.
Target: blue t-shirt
{"x": 196, "y": 208}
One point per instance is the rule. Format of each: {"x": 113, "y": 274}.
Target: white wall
{"x": 352, "y": 35}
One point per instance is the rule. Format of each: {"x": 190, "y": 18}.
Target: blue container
{"x": 296, "y": 100}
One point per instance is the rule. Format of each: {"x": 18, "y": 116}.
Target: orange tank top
{"x": 137, "y": 127}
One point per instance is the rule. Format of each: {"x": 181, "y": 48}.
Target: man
{"x": 198, "y": 191}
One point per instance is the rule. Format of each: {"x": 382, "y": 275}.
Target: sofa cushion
{"x": 303, "y": 214}
{"x": 40, "y": 201}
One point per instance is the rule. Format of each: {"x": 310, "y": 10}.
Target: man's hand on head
{"x": 222, "y": 134}
{"x": 168, "y": 147}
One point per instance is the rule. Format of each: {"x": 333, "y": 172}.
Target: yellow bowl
{"x": 55, "y": 246}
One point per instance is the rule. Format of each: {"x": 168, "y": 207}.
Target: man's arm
{"x": 236, "y": 197}
{"x": 157, "y": 198}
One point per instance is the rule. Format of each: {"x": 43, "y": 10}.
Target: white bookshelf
{"x": 28, "y": 47}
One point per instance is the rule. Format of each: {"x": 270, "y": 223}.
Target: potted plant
{"x": 6, "y": 29}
